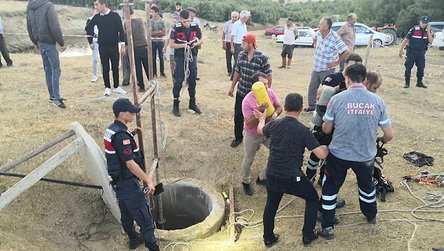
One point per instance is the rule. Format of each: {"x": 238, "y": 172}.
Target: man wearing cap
{"x": 226, "y": 36}
{"x": 185, "y": 37}
{"x": 125, "y": 166}
{"x": 249, "y": 62}
{"x": 418, "y": 38}
{"x": 290, "y": 35}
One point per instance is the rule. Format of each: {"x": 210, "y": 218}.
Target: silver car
{"x": 363, "y": 33}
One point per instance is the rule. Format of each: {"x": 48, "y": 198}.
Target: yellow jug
{"x": 261, "y": 94}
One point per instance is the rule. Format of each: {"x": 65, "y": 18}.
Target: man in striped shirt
{"x": 328, "y": 46}
{"x": 249, "y": 62}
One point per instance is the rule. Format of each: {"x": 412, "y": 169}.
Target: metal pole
{"x": 63, "y": 182}
{"x": 161, "y": 220}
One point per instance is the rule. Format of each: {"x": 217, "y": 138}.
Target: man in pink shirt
{"x": 347, "y": 33}
{"x": 252, "y": 139}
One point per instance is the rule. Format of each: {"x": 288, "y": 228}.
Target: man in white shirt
{"x": 237, "y": 34}
{"x": 290, "y": 35}
{"x": 226, "y": 38}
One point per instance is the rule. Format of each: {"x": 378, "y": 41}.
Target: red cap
{"x": 250, "y": 38}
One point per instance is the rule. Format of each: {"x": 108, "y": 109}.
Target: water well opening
{"x": 183, "y": 206}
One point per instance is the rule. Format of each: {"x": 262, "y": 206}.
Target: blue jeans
{"x": 141, "y": 59}
{"x": 157, "y": 50}
{"x": 95, "y": 56}
{"x": 51, "y": 64}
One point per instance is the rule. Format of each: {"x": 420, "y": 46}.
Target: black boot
{"x": 193, "y": 105}
{"x": 135, "y": 240}
{"x": 176, "y": 111}
{"x": 407, "y": 83}
{"x": 419, "y": 83}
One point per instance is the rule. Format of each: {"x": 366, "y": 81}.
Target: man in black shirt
{"x": 110, "y": 34}
{"x": 288, "y": 140}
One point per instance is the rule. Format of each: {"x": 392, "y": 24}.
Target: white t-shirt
{"x": 239, "y": 31}
{"x": 289, "y": 35}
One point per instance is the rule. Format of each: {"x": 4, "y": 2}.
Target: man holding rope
{"x": 185, "y": 37}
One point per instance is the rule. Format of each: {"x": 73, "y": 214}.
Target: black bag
{"x": 419, "y": 159}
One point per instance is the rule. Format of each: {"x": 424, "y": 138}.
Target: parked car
{"x": 436, "y": 26}
{"x": 276, "y": 30}
{"x": 305, "y": 37}
{"x": 438, "y": 40}
{"x": 363, "y": 33}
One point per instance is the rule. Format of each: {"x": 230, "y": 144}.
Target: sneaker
{"x": 119, "y": 90}
{"x": 197, "y": 78}
{"x": 94, "y": 79}
{"x": 134, "y": 243}
{"x": 260, "y": 182}
{"x": 125, "y": 84}
{"x": 235, "y": 143}
{"x": 155, "y": 76}
{"x": 308, "y": 240}
{"x": 406, "y": 85}
{"x": 282, "y": 66}
{"x": 421, "y": 85}
{"x": 59, "y": 103}
{"x": 328, "y": 233}
{"x": 141, "y": 89}
{"x": 288, "y": 67}
{"x": 372, "y": 221}
{"x": 340, "y": 202}
{"x": 107, "y": 91}
{"x": 247, "y": 189}
{"x": 309, "y": 109}
{"x": 163, "y": 75}
{"x": 270, "y": 242}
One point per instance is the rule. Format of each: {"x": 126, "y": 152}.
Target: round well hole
{"x": 191, "y": 209}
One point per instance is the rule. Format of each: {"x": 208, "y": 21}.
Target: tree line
{"x": 402, "y": 13}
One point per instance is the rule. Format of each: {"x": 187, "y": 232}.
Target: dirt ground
{"x": 55, "y": 217}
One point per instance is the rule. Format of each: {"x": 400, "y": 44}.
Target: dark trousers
{"x": 133, "y": 207}
{"x": 415, "y": 57}
{"x": 238, "y": 118}
{"x": 107, "y": 54}
{"x": 335, "y": 174}
{"x": 276, "y": 187}
{"x": 237, "y": 50}
{"x": 228, "y": 57}
{"x": 323, "y": 139}
{"x": 141, "y": 59}
{"x": 157, "y": 50}
{"x": 4, "y": 51}
{"x": 179, "y": 77}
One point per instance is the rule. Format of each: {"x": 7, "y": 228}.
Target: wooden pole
{"x": 7, "y": 167}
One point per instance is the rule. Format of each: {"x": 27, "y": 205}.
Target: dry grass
{"x": 51, "y": 217}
